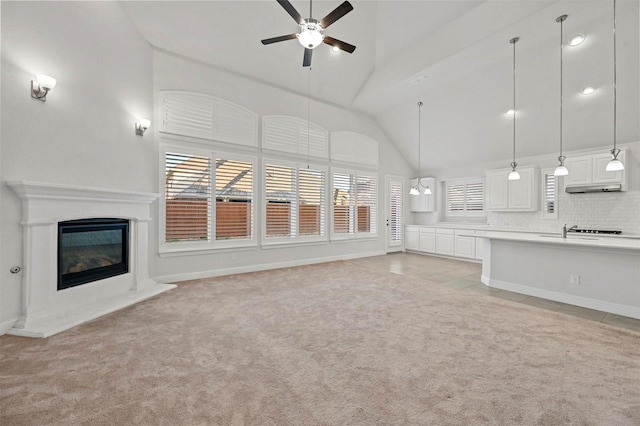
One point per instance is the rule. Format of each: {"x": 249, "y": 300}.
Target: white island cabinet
{"x": 601, "y": 273}
{"x": 521, "y": 195}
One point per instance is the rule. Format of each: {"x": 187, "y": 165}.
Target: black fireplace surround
{"x": 91, "y": 250}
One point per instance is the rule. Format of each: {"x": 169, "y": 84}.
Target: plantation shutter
{"x": 187, "y": 197}
{"x": 455, "y": 198}
{"x": 311, "y": 184}
{"x": 549, "y": 196}
{"x": 465, "y": 197}
{"x": 280, "y": 200}
{"x": 474, "y": 193}
{"x": 343, "y": 204}
{"x": 234, "y": 199}
{"x": 294, "y": 136}
{"x": 396, "y": 212}
{"x": 367, "y": 190}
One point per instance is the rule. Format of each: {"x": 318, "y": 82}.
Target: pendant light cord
{"x": 419, "y": 132}
{"x": 614, "y": 79}
{"x": 514, "y": 41}
{"x": 562, "y": 18}
{"x": 308, "y": 116}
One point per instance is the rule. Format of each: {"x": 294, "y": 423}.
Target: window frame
{"x": 211, "y": 243}
{"x": 355, "y": 235}
{"x": 295, "y": 237}
{"x": 465, "y": 213}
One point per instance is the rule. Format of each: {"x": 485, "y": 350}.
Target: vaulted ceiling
{"x": 453, "y": 55}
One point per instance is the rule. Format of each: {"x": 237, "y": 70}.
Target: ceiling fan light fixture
{"x": 310, "y": 36}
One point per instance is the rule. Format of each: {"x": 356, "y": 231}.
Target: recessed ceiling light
{"x": 576, "y": 40}
{"x": 335, "y": 49}
{"x": 510, "y": 111}
{"x": 588, "y": 90}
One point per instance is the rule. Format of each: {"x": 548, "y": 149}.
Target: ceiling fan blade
{"x": 291, "y": 11}
{"x": 336, "y": 14}
{"x": 306, "y": 62}
{"x": 277, "y": 39}
{"x": 349, "y": 48}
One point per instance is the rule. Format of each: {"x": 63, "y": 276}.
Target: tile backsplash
{"x": 613, "y": 210}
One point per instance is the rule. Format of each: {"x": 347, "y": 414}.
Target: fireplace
{"x": 92, "y": 249}
{"x": 99, "y": 233}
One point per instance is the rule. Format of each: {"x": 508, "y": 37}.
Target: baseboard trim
{"x": 261, "y": 267}
{"x": 7, "y": 325}
{"x": 585, "y": 302}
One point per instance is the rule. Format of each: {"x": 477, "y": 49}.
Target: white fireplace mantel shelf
{"x": 47, "y": 310}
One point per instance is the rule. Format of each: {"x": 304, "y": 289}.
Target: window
{"x": 549, "y": 195}
{"x": 354, "y": 205}
{"x": 295, "y": 202}
{"x": 465, "y": 197}
{"x": 208, "y": 200}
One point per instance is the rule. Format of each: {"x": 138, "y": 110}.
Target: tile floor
{"x": 466, "y": 276}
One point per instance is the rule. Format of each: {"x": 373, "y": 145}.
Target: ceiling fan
{"x": 310, "y": 35}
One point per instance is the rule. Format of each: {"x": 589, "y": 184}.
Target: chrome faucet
{"x": 565, "y": 230}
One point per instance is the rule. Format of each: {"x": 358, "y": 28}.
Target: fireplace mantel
{"x": 47, "y": 311}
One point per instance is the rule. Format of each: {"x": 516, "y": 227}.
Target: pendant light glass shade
{"x": 614, "y": 165}
{"x": 419, "y": 188}
{"x": 514, "y": 175}
{"x": 561, "y": 170}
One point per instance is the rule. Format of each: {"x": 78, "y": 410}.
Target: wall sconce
{"x": 141, "y": 126}
{"x": 41, "y": 86}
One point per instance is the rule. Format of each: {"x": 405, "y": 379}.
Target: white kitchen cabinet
{"x": 428, "y": 240}
{"x": 465, "y": 245}
{"x": 422, "y": 202}
{"x": 591, "y": 169}
{"x": 445, "y": 241}
{"x": 503, "y": 194}
{"x": 601, "y": 175}
{"x": 412, "y": 238}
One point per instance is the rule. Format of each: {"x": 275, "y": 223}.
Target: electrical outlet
{"x": 575, "y": 279}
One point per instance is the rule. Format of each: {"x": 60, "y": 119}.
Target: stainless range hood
{"x": 584, "y": 189}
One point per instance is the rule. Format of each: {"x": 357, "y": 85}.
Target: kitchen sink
{"x": 571, "y": 237}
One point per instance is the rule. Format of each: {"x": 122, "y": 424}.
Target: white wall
{"x": 175, "y": 73}
{"x": 83, "y": 134}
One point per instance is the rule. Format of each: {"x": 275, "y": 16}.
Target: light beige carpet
{"x": 329, "y": 344}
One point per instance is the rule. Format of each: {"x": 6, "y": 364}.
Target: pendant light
{"x": 561, "y": 170}
{"x": 614, "y": 165}
{"x": 415, "y": 190}
{"x": 514, "y": 175}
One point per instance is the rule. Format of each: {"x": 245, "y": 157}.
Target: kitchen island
{"x": 601, "y": 273}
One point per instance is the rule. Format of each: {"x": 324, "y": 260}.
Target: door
{"x": 394, "y": 228}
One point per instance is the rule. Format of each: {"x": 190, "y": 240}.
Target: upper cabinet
{"x": 422, "y": 202}
{"x": 512, "y": 195}
{"x": 591, "y": 169}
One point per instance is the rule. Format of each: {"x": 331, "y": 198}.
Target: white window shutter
{"x": 203, "y": 116}
{"x": 294, "y": 136}
{"x": 354, "y": 148}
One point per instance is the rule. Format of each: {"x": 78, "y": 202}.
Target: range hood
{"x": 584, "y": 189}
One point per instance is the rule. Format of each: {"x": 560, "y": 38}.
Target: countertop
{"x": 580, "y": 240}
{"x": 480, "y": 227}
